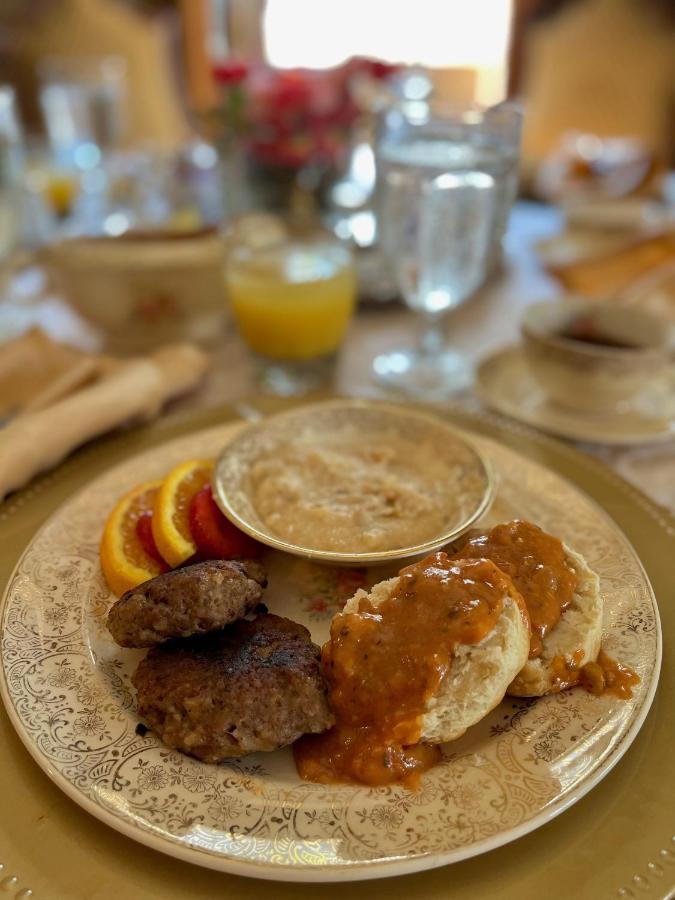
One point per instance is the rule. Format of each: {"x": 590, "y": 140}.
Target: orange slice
{"x": 124, "y": 560}
{"x": 170, "y": 527}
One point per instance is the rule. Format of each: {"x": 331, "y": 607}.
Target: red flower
{"x": 291, "y": 117}
{"x": 382, "y": 70}
{"x": 231, "y": 72}
{"x": 376, "y": 68}
{"x": 292, "y": 90}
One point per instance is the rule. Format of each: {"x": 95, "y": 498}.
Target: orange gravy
{"x": 535, "y": 562}
{"x": 384, "y": 662}
{"x": 604, "y": 676}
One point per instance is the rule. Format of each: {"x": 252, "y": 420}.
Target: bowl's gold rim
{"x": 334, "y": 556}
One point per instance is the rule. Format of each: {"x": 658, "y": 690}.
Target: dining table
{"x": 50, "y": 849}
{"x": 485, "y": 324}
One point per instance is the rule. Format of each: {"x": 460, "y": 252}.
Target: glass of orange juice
{"x": 292, "y": 301}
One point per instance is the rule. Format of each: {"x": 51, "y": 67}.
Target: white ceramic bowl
{"x": 145, "y": 291}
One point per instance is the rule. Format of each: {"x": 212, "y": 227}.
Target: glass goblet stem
{"x": 432, "y": 334}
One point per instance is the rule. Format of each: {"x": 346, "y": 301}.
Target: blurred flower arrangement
{"x": 292, "y": 127}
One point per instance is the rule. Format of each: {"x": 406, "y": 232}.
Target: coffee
{"x": 585, "y": 330}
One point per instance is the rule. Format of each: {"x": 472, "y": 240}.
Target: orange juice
{"x": 292, "y": 301}
{"x": 61, "y": 190}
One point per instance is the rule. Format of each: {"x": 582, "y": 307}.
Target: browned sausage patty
{"x": 193, "y": 600}
{"x": 252, "y": 686}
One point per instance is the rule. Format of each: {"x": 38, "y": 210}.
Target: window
{"x": 464, "y": 34}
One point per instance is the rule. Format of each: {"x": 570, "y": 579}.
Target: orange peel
{"x": 170, "y": 522}
{"x": 124, "y": 560}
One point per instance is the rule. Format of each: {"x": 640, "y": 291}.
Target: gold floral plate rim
{"x": 232, "y": 496}
{"x": 609, "y": 868}
{"x": 353, "y": 869}
{"x": 556, "y": 420}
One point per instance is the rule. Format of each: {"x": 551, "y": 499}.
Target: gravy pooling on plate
{"x": 601, "y": 676}
{"x": 384, "y": 662}
{"x": 535, "y": 562}
{"x": 338, "y": 494}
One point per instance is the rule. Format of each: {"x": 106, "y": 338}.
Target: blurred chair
{"x": 33, "y": 31}
{"x": 604, "y": 67}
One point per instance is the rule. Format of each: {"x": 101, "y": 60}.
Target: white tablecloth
{"x": 486, "y": 323}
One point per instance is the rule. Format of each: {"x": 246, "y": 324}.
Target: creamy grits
{"x": 351, "y": 497}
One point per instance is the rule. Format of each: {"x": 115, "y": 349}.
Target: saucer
{"x": 504, "y": 383}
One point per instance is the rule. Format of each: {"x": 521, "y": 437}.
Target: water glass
{"x": 83, "y": 102}
{"x": 11, "y": 171}
{"x": 446, "y": 181}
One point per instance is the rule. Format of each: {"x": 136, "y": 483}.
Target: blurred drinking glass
{"x": 446, "y": 182}
{"x": 83, "y": 103}
{"x": 292, "y": 300}
{"x": 11, "y": 172}
{"x": 60, "y": 189}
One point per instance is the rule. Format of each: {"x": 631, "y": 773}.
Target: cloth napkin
{"x": 36, "y": 371}
{"x": 71, "y": 397}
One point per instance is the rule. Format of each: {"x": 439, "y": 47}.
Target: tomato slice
{"x": 147, "y": 541}
{"x": 215, "y": 536}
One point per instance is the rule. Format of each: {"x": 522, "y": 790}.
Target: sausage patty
{"x": 192, "y": 600}
{"x": 252, "y": 686}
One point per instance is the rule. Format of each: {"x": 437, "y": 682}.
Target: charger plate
{"x": 45, "y": 828}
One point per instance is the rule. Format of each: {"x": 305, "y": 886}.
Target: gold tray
{"x": 616, "y": 842}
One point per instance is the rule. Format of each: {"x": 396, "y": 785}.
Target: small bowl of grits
{"x": 353, "y": 482}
